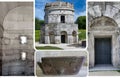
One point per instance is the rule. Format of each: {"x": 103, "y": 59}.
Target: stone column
{"x": 57, "y": 39}
{"x": 91, "y": 49}
{"x": 118, "y": 48}
{"x": 47, "y": 39}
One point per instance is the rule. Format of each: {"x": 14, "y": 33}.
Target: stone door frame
{"x": 99, "y": 34}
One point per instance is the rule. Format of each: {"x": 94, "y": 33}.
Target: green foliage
{"x": 38, "y": 23}
{"x": 81, "y": 21}
{"x": 118, "y": 71}
{"x": 82, "y": 34}
{"x": 48, "y": 48}
{"x": 37, "y": 35}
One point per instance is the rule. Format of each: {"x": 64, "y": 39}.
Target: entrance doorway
{"x": 63, "y": 37}
{"x": 102, "y": 51}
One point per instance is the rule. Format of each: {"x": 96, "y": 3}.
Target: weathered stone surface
{"x": 52, "y": 32}
{"x": 16, "y": 20}
{"x": 104, "y": 21}
{"x": 61, "y": 65}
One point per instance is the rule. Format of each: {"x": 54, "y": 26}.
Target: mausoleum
{"x": 59, "y": 24}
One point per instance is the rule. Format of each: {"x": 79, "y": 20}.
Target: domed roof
{"x": 59, "y": 5}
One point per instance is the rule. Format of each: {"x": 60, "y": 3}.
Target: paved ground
{"x": 104, "y": 70}
{"x": 104, "y": 73}
{"x": 82, "y": 73}
{"x": 63, "y": 46}
{"x": 103, "y": 67}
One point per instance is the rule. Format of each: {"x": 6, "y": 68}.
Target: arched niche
{"x": 74, "y": 34}
{"x": 103, "y": 21}
{"x": 19, "y": 18}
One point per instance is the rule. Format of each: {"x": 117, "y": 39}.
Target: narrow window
{"x": 62, "y": 19}
{"x": 23, "y": 39}
{"x": 23, "y": 55}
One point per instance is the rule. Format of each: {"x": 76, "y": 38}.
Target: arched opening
{"x": 63, "y": 37}
{"x": 52, "y": 37}
{"x": 74, "y": 34}
{"x": 102, "y": 36}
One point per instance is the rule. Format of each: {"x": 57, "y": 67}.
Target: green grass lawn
{"x": 37, "y": 35}
{"x": 118, "y": 71}
{"x": 82, "y": 34}
{"x": 48, "y": 48}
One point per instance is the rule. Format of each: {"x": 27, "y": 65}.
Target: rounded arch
{"x": 107, "y": 9}
{"x": 74, "y": 33}
{"x": 64, "y": 38}
{"x": 19, "y": 18}
{"x": 103, "y": 21}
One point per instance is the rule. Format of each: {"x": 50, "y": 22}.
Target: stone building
{"x": 59, "y": 24}
{"x": 16, "y": 38}
{"x": 104, "y": 33}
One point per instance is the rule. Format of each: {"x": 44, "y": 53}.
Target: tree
{"x": 38, "y": 23}
{"x": 81, "y": 21}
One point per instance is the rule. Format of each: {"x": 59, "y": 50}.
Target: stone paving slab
{"x": 104, "y": 73}
{"x": 104, "y": 70}
{"x": 103, "y": 67}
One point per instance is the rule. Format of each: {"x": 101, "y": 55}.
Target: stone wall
{"x": 17, "y": 22}
{"x": 103, "y": 21}
{"x": 58, "y": 28}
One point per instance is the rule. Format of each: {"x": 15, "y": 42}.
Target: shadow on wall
{"x": 1, "y": 36}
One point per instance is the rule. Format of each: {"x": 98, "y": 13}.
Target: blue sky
{"x": 79, "y": 6}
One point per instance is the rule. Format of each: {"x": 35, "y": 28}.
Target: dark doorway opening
{"x": 62, "y": 19}
{"x": 62, "y": 38}
{"x": 102, "y": 50}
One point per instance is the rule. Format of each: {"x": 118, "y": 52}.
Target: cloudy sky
{"x": 79, "y": 6}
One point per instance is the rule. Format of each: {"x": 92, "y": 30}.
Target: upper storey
{"x": 59, "y": 5}
{"x": 59, "y": 12}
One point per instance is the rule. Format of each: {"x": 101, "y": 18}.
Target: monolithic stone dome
{"x": 59, "y": 5}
